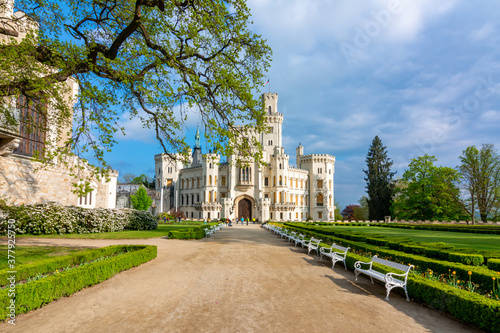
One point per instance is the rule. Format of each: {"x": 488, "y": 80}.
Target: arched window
{"x": 192, "y": 199}
{"x": 274, "y": 197}
{"x": 215, "y": 180}
{"x": 215, "y": 196}
{"x": 330, "y": 201}
{"x": 210, "y": 196}
{"x": 280, "y": 166}
{"x": 281, "y": 197}
{"x": 274, "y": 180}
{"x": 270, "y": 109}
{"x": 209, "y": 180}
{"x": 319, "y": 200}
{"x": 281, "y": 181}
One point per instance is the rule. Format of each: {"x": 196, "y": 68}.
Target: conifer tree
{"x": 379, "y": 185}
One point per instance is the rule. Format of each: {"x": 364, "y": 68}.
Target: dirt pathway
{"x": 244, "y": 279}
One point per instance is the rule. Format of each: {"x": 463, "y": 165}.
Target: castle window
{"x": 169, "y": 182}
{"x": 281, "y": 197}
{"x": 32, "y": 127}
{"x": 320, "y": 184}
{"x": 182, "y": 200}
{"x": 169, "y": 169}
{"x": 223, "y": 194}
{"x": 319, "y": 200}
{"x": 296, "y": 183}
{"x": 266, "y": 181}
{"x": 280, "y": 166}
{"x": 320, "y": 215}
{"x": 223, "y": 181}
{"x": 270, "y": 109}
{"x": 320, "y": 170}
{"x": 330, "y": 184}
{"x": 192, "y": 199}
{"x": 197, "y": 198}
{"x": 198, "y": 183}
{"x": 266, "y": 195}
{"x": 210, "y": 196}
{"x": 182, "y": 184}
{"x": 274, "y": 180}
{"x": 215, "y": 180}
{"x": 281, "y": 181}
{"x": 209, "y": 180}
{"x": 330, "y": 200}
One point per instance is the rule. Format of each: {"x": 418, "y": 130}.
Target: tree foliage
{"x": 426, "y": 192}
{"x": 379, "y": 183}
{"x": 151, "y": 59}
{"x": 480, "y": 180}
{"x": 349, "y": 212}
{"x": 141, "y": 200}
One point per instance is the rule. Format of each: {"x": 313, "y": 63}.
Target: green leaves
{"x": 129, "y": 55}
{"x": 141, "y": 200}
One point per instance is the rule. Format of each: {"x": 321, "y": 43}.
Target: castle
{"x": 206, "y": 188}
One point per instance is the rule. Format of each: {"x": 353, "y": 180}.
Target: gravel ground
{"x": 244, "y": 279}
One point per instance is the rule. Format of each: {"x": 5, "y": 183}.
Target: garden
{"x": 455, "y": 272}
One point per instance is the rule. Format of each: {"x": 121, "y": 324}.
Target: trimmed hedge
{"x": 32, "y": 295}
{"x": 471, "y": 308}
{"x": 50, "y": 265}
{"x": 195, "y": 232}
{"x": 494, "y": 264}
{"x": 481, "y": 275}
{"x": 51, "y": 218}
{"x": 431, "y": 250}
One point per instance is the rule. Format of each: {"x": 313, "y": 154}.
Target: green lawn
{"x": 161, "y": 231}
{"x": 27, "y": 254}
{"x": 457, "y": 239}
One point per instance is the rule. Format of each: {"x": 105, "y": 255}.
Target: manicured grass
{"x": 161, "y": 231}
{"x": 27, "y": 254}
{"x": 457, "y": 239}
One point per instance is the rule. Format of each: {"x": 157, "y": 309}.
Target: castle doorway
{"x": 245, "y": 209}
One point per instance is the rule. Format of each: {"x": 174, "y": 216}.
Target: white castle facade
{"x": 206, "y": 188}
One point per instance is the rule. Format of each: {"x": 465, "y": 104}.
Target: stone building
{"x": 205, "y": 187}
{"x": 22, "y": 179}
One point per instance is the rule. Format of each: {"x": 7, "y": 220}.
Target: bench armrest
{"x": 341, "y": 254}
{"x": 325, "y": 250}
{"x": 358, "y": 264}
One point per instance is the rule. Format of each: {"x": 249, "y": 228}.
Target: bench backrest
{"x": 401, "y": 267}
{"x": 340, "y": 248}
{"x": 315, "y": 240}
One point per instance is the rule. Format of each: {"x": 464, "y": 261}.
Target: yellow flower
{"x": 458, "y": 281}
{"x": 454, "y": 273}
{"x": 469, "y": 272}
{"x": 493, "y": 278}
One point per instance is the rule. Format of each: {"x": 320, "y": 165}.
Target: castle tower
{"x": 197, "y": 157}
{"x": 274, "y": 122}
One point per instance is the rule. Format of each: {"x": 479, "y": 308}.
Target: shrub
{"x": 494, "y": 264}
{"x": 467, "y": 259}
{"x": 51, "y": 218}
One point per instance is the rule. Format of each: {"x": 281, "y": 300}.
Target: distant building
{"x": 206, "y": 188}
{"x": 124, "y": 191}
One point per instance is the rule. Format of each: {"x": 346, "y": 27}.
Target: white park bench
{"x": 208, "y": 232}
{"x": 336, "y": 252}
{"x": 291, "y": 236}
{"x": 299, "y": 239}
{"x": 389, "y": 279}
{"x": 312, "y": 244}
{"x": 285, "y": 233}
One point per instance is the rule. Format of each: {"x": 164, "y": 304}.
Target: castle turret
{"x": 300, "y": 152}
{"x": 197, "y": 157}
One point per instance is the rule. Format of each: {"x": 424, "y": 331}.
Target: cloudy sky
{"x": 422, "y": 75}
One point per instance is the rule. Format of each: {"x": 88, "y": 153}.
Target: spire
{"x": 197, "y": 139}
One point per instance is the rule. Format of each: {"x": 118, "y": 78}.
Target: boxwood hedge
{"x": 34, "y": 294}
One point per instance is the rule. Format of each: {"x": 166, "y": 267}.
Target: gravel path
{"x": 244, "y": 279}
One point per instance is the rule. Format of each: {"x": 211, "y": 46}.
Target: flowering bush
{"x": 52, "y": 218}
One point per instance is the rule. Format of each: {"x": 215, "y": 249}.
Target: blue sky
{"x": 422, "y": 75}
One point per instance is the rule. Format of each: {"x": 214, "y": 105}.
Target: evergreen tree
{"x": 379, "y": 184}
{"x": 141, "y": 200}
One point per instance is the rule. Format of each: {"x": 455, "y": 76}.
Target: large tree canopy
{"x": 144, "y": 57}
{"x": 427, "y": 192}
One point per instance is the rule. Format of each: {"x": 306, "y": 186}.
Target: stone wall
{"x": 23, "y": 181}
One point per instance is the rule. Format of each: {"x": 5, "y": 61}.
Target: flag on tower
{"x": 266, "y": 82}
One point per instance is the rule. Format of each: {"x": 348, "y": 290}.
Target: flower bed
{"x": 35, "y": 293}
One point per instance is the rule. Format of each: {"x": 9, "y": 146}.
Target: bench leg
{"x": 407, "y": 298}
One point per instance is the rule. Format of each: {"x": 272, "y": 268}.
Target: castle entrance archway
{"x": 244, "y": 209}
